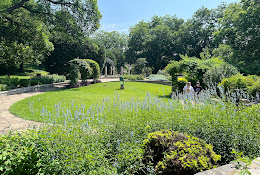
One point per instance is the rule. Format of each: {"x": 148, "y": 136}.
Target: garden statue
{"x": 122, "y": 83}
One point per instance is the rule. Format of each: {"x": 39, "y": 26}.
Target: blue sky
{"x": 120, "y": 15}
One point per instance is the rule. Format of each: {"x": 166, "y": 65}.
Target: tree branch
{"x": 59, "y": 2}
{"x": 16, "y": 6}
{"x": 37, "y": 12}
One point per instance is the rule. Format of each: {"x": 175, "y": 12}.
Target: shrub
{"x": 48, "y": 79}
{"x": 10, "y": 82}
{"x": 255, "y": 89}
{"x": 4, "y": 87}
{"x": 172, "y": 152}
{"x": 24, "y": 82}
{"x": 35, "y": 82}
{"x": 58, "y": 78}
{"x": 20, "y": 154}
{"x": 237, "y": 82}
{"x": 133, "y": 77}
{"x": 84, "y": 68}
{"x": 158, "y": 77}
{"x": 181, "y": 83}
{"x": 217, "y": 73}
{"x": 14, "y": 82}
{"x": 95, "y": 67}
{"x": 139, "y": 66}
{"x": 74, "y": 74}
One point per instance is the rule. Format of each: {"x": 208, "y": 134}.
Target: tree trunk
{"x": 22, "y": 66}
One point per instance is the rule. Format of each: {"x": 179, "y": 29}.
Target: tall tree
{"x": 115, "y": 44}
{"x": 156, "y": 41}
{"x": 239, "y": 29}
{"x": 32, "y": 22}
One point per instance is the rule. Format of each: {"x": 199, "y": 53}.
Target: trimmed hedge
{"x": 85, "y": 69}
{"x": 95, "y": 67}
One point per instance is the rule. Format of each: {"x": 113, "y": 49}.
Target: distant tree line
{"x": 230, "y": 32}
{"x": 53, "y": 32}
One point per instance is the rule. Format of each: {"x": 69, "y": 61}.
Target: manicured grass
{"x": 30, "y": 108}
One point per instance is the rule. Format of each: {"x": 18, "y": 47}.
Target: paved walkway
{"x": 9, "y": 122}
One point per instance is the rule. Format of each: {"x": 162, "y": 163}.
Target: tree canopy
{"x": 230, "y": 32}
{"x": 30, "y": 29}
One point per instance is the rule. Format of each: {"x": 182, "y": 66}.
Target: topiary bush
{"x": 172, "y": 152}
{"x": 11, "y": 83}
{"x": 74, "y": 74}
{"x": 95, "y": 67}
{"x": 85, "y": 70}
{"x": 35, "y": 82}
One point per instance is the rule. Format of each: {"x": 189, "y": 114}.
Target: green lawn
{"x": 87, "y": 96}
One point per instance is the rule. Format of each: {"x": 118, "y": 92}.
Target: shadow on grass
{"x": 165, "y": 96}
{"x": 118, "y": 89}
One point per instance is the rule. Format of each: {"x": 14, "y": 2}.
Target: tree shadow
{"x": 165, "y": 96}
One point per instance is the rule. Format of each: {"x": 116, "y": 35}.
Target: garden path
{"x": 10, "y": 122}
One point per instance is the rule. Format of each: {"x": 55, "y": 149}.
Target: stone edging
{"x": 28, "y": 89}
{"x": 229, "y": 169}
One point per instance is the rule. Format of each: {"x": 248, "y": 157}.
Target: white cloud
{"x": 110, "y": 26}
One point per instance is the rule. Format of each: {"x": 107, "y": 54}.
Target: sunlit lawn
{"x": 87, "y": 96}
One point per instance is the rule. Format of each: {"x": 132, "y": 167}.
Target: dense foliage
{"x": 248, "y": 83}
{"x": 31, "y": 29}
{"x": 107, "y": 138}
{"x": 133, "y": 77}
{"x": 12, "y": 83}
{"x": 115, "y": 44}
{"x": 207, "y": 71}
{"x": 171, "y": 152}
{"x": 82, "y": 69}
{"x": 230, "y": 32}
{"x": 95, "y": 68}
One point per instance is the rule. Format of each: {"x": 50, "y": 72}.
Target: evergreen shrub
{"x": 172, "y": 152}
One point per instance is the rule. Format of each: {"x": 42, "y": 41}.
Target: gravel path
{"x": 9, "y": 122}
